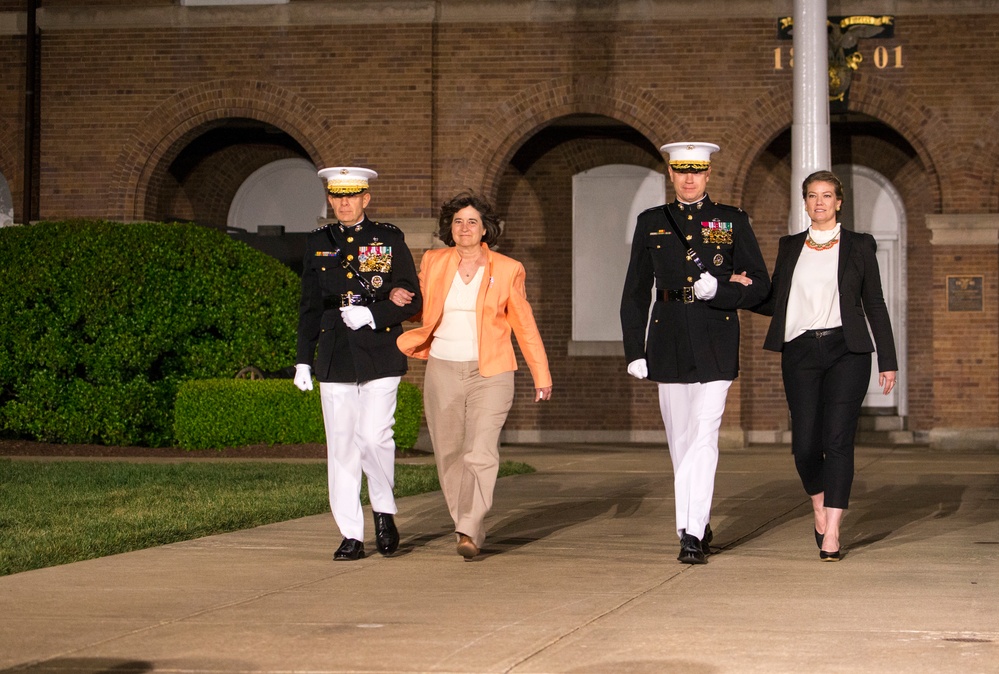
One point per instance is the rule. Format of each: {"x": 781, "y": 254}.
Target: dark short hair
{"x": 823, "y": 177}
{"x": 491, "y": 221}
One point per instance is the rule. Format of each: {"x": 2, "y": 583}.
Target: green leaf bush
{"x": 219, "y": 413}
{"x": 102, "y": 321}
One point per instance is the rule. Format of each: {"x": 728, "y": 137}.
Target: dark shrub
{"x": 103, "y": 320}
{"x": 218, "y": 413}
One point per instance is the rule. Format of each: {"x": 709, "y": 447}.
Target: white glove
{"x": 638, "y": 368}
{"x": 705, "y": 287}
{"x": 303, "y": 377}
{"x": 356, "y": 316}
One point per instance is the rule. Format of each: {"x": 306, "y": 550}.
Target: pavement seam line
{"x": 601, "y": 616}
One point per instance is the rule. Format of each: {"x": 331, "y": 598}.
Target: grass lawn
{"x": 66, "y": 511}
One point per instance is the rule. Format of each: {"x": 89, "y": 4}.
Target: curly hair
{"x": 491, "y": 221}
{"x": 825, "y": 177}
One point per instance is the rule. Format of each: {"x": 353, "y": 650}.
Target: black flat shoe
{"x": 350, "y": 549}
{"x": 829, "y": 556}
{"x": 818, "y": 538}
{"x": 706, "y": 541}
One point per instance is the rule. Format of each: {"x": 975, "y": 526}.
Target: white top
{"x": 813, "y": 303}
{"x": 456, "y": 337}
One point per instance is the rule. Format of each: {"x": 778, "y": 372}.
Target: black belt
{"x": 684, "y": 294}
{"x": 819, "y": 334}
{"x": 345, "y": 300}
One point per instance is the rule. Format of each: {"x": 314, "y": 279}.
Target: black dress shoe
{"x": 386, "y": 535}
{"x": 818, "y": 538}
{"x": 691, "y": 551}
{"x": 349, "y": 549}
{"x": 706, "y": 541}
{"x": 829, "y": 556}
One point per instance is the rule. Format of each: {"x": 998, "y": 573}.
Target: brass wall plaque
{"x": 964, "y": 293}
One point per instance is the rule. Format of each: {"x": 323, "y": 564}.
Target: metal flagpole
{"x": 810, "y": 127}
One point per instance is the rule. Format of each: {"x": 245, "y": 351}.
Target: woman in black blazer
{"x": 826, "y": 288}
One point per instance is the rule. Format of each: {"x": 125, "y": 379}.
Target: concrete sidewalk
{"x": 579, "y": 574}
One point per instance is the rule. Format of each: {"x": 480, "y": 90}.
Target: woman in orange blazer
{"x": 473, "y": 298}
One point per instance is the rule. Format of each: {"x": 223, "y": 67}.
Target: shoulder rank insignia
{"x": 730, "y": 208}
{"x": 388, "y": 225}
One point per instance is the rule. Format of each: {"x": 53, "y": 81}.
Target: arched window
{"x": 6, "y": 204}
{"x": 606, "y": 201}
{"x": 286, "y": 192}
{"x": 874, "y": 205}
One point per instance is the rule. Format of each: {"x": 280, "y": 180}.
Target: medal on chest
{"x": 375, "y": 258}
{"x": 715, "y": 232}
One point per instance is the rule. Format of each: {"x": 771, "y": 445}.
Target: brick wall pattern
{"x": 137, "y": 100}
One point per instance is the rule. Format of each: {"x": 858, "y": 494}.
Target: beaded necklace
{"x": 815, "y": 245}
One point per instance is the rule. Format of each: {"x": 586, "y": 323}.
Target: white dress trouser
{"x": 359, "y": 437}
{"x": 692, "y": 415}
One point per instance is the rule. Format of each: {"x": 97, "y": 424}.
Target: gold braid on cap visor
{"x": 690, "y": 165}
{"x": 346, "y": 187}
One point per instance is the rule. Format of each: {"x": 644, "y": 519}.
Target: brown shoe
{"x": 466, "y": 547}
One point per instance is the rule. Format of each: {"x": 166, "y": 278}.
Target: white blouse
{"x": 456, "y": 338}
{"x": 813, "y": 303}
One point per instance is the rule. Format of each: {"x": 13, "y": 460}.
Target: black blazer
{"x": 860, "y": 296}
{"x": 699, "y": 341}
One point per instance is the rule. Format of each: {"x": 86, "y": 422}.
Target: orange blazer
{"x": 500, "y": 307}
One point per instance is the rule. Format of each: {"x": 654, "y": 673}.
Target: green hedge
{"x": 102, "y": 321}
{"x": 217, "y": 413}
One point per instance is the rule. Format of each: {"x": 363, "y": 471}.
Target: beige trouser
{"x": 465, "y": 413}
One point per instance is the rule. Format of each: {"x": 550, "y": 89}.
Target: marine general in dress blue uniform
{"x": 347, "y": 334}
{"x": 689, "y": 344}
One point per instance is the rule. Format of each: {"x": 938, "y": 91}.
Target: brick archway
{"x": 895, "y": 107}
{"x": 771, "y": 113}
{"x": 985, "y": 163}
{"x": 765, "y": 119}
{"x": 161, "y": 135}
{"x": 492, "y": 145}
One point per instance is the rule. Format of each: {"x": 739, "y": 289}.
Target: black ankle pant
{"x": 825, "y": 385}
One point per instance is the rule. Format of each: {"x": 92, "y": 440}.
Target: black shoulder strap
{"x": 691, "y": 254}
{"x": 338, "y": 254}
{"x": 337, "y": 246}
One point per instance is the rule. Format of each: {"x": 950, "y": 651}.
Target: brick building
{"x": 165, "y": 109}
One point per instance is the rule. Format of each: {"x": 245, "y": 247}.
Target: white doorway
{"x": 606, "y": 201}
{"x": 286, "y": 192}
{"x": 6, "y": 204}
{"x": 874, "y": 206}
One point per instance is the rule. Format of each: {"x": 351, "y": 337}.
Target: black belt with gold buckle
{"x": 345, "y": 300}
{"x": 684, "y": 294}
